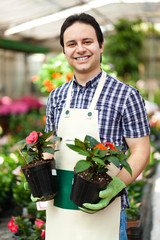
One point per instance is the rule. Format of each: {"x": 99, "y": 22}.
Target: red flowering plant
{"x": 12, "y": 226}
{"x": 39, "y": 172}
{"x": 36, "y": 144}
{"x": 26, "y": 230}
{"x": 98, "y": 156}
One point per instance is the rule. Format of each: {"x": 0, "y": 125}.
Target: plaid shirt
{"x": 121, "y": 111}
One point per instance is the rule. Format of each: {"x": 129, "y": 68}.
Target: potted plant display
{"x": 90, "y": 174}
{"x": 39, "y": 173}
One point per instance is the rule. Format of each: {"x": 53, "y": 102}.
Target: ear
{"x": 102, "y": 47}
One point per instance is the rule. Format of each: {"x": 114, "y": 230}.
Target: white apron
{"x": 64, "y": 221}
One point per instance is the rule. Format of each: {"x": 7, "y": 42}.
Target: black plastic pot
{"x": 41, "y": 180}
{"x": 84, "y": 191}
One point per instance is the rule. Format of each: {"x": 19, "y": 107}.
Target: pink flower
{"x": 18, "y": 107}
{"x": 32, "y": 138}
{"x": 10, "y": 224}
{"x": 40, "y": 134}
{"x": 31, "y": 102}
{"x": 43, "y": 233}
{"x": 4, "y": 109}
{"x": 13, "y": 227}
{"x": 39, "y": 223}
{"x": 6, "y": 100}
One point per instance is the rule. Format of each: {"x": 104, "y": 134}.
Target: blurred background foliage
{"x": 123, "y": 59}
{"x": 123, "y": 48}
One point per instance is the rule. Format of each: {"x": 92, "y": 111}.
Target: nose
{"x": 80, "y": 48}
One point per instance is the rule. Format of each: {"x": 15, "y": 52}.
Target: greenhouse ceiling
{"x": 39, "y": 21}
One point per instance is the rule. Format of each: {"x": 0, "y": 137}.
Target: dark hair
{"x": 83, "y": 18}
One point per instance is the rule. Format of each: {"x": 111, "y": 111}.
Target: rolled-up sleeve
{"x": 135, "y": 120}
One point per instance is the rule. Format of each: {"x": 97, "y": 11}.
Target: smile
{"x": 82, "y": 58}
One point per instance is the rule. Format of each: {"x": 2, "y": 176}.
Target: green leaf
{"x": 79, "y": 143}
{"x": 113, "y": 152}
{"x": 47, "y": 135}
{"x": 48, "y": 150}
{"x": 122, "y": 156}
{"x": 78, "y": 150}
{"x": 102, "y": 153}
{"x": 22, "y": 141}
{"x": 92, "y": 141}
{"x": 98, "y": 160}
{"x": 95, "y": 151}
{"x": 118, "y": 147}
{"x": 54, "y": 139}
{"x": 114, "y": 160}
{"x": 82, "y": 165}
{"x": 126, "y": 166}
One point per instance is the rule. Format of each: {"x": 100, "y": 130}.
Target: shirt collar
{"x": 92, "y": 82}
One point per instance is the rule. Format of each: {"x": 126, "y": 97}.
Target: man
{"x": 117, "y": 116}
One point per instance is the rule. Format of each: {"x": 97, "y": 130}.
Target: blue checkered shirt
{"x": 121, "y": 110}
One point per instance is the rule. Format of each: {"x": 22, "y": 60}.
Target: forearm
{"x": 49, "y": 155}
{"x": 138, "y": 160}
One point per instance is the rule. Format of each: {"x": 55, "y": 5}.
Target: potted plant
{"x": 90, "y": 174}
{"x": 39, "y": 173}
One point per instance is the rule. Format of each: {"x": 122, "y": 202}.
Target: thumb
{"x": 105, "y": 193}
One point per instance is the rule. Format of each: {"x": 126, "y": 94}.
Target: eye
{"x": 88, "y": 42}
{"x": 71, "y": 44}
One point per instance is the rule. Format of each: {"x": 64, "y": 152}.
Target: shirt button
{"x": 89, "y": 114}
{"x": 67, "y": 112}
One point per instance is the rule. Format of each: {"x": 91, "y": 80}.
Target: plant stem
{"x": 22, "y": 155}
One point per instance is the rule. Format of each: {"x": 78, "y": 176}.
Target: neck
{"x": 83, "y": 78}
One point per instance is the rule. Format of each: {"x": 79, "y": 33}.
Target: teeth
{"x": 81, "y": 59}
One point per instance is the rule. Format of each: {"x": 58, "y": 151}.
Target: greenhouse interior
{"x": 33, "y": 64}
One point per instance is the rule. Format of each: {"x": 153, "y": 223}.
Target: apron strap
{"x": 98, "y": 91}
{"x": 95, "y": 98}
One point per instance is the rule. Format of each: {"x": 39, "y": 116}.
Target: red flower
{"x": 43, "y": 233}
{"x": 10, "y": 224}
{"x": 13, "y": 227}
{"x": 101, "y": 146}
{"x": 32, "y": 138}
{"x": 39, "y": 223}
{"x": 111, "y": 146}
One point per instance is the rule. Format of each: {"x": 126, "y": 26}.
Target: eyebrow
{"x": 82, "y": 40}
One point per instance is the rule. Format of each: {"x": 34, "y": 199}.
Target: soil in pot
{"x": 86, "y": 186}
{"x": 41, "y": 179}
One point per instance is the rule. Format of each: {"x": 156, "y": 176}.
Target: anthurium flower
{"x": 39, "y": 223}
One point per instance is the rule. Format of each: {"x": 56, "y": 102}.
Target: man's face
{"x": 82, "y": 49}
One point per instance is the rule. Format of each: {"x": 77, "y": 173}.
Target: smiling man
{"x": 82, "y": 51}
{"x": 117, "y": 115}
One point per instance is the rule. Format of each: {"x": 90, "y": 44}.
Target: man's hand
{"x": 113, "y": 188}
